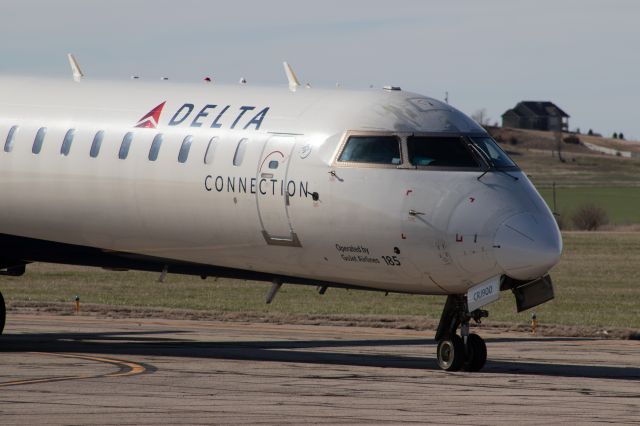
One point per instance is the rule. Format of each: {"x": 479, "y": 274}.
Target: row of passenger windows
{"x": 422, "y": 151}
{"x": 125, "y": 145}
{"x": 425, "y": 151}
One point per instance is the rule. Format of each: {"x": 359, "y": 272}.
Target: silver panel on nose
{"x": 527, "y": 246}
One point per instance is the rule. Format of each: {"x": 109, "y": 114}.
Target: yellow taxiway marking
{"x": 132, "y": 370}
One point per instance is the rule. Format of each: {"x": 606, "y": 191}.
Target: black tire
{"x": 451, "y": 353}
{"x": 476, "y": 353}
{"x": 3, "y": 313}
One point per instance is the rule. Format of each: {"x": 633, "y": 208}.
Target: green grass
{"x": 579, "y": 170}
{"x": 608, "y": 182}
{"x": 596, "y": 284}
{"x": 621, "y": 204}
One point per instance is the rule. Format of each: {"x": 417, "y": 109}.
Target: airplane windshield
{"x": 372, "y": 149}
{"x": 445, "y": 151}
{"x": 494, "y": 153}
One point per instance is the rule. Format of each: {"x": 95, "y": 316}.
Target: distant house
{"x": 536, "y": 115}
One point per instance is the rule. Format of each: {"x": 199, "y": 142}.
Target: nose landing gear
{"x": 454, "y": 352}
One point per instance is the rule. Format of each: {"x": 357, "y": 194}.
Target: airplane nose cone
{"x": 527, "y": 246}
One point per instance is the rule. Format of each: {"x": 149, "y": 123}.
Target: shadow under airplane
{"x": 151, "y": 343}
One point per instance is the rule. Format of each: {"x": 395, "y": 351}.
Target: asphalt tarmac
{"x": 89, "y": 370}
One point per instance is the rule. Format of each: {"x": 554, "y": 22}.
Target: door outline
{"x": 276, "y": 146}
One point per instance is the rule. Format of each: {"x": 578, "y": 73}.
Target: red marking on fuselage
{"x": 151, "y": 119}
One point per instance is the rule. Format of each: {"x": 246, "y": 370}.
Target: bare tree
{"x": 589, "y": 217}
{"x": 481, "y": 117}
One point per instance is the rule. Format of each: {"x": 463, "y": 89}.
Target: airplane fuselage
{"x": 262, "y": 187}
{"x": 380, "y": 189}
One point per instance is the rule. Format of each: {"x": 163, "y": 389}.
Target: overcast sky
{"x": 583, "y": 54}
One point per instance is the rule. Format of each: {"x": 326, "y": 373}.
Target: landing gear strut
{"x": 468, "y": 352}
{"x": 16, "y": 270}
{"x": 3, "y": 313}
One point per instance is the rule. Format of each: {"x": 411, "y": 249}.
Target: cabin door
{"x": 271, "y": 192}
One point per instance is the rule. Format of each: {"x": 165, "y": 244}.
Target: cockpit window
{"x": 372, "y": 149}
{"x": 437, "y": 151}
{"x": 489, "y": 147}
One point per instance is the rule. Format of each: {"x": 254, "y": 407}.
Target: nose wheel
{"x": 454, "y": 355}
{"x": 468, "y": 351}
{"x": 451, "y": 353}
{"x": 476, "y": 353}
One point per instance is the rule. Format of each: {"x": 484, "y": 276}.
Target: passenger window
{"x": 371, "y": 149}
{"x": 184, "y": 149}
{"x": 8, "y": 145}
{"x": 124, "y": 147}
{"x": 66, "y": 142}
{"x": 208, "y": 156}
{"x": 97, "y": 142}
{"x": 240, "y": 149}
{"x": 443, "y": 151}
{"x": 273, "y": 164}
{"x": 37, "y": 143}
{"x": 155, "y": 147}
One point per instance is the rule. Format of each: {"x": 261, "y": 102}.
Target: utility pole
{"x": 558, "y": 135}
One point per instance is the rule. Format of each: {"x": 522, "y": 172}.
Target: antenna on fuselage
{"x": 291, "y": 76}
{"x": 75, "y": 68}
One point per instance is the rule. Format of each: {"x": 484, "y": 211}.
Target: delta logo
{"x": 211, "y": 115}
{"x": 150, "y": 120}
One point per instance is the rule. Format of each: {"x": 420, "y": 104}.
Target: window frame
{"x": 513, "y": 168}
{"x": 38, "y": 140}
{"x": 210, "y": 152}
{"x": 155, "y": 147}
{"x": 185, "y": 149}
{"x": 125, "y": 145}
{"x": 240, "y": 152}
{"x": 405, "y": 163}
{"x": 10, "y": 141}
{"x": 67, "y": 141}
{"x": 96, "y": 144}
{"x": 481, "y": 162}
{"x": 351, "y": 133}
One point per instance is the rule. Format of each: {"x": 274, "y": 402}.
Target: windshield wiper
{"x": 490, "y": 162}
{"x": 508, "y": 174}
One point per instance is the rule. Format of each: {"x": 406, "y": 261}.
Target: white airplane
{"x": 377, "y": 189}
